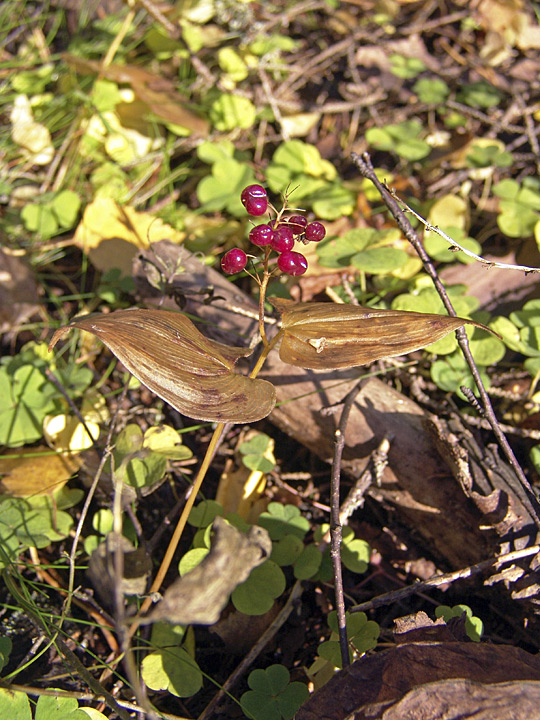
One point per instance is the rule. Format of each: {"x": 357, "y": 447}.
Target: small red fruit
{"x": 261, "y": 235}
{"x": 315, "y": 231}
{"x": 254, "y": 199}
{"x": 297, "y": 223}
{"x": 233, "y": 261}
{"x": 292, "y": 263}
{"x": 283, "y": 239}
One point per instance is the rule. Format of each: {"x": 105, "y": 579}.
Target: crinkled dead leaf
{"x": 323, "y": 336}
{"x": 137, "y": 566}
{"x": 166, "y": 352}
{"x": 199, "y": 596}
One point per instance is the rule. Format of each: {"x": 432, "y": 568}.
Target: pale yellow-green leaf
{"x": 33, "y": 137}
{"x": 450, "y": 211}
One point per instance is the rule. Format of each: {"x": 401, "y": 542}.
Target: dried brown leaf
{"x": 157, "y": 92}
{"x": 200, "y": 595}
{"x": 166, "y": 352}
{"x": 323, "y": 336}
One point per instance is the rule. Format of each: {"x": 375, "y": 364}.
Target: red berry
{"x": 254, "y": 199}
{"x": 297, "y": 223}
{"x": 233, "y": 261}
{"x": 261, "y": 235}
{"x": 283, "y": 239}
{"x": 292, "y": 263}
{"x": 315, "y": 231}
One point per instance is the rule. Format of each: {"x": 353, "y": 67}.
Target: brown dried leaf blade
{"x": 166, "y": 352}
{"x": 323, "y": 336}
{"x": 199, "y": 596}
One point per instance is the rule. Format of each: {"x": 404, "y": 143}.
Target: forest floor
{"x": 130, "y": 131}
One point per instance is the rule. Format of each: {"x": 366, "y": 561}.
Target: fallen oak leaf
{"x": 199, "y": 596}
{"x": 166, "y": 352}
{"x": 324, "y": 336}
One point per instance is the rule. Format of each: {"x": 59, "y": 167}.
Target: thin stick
{"x": 437, "y": 580}
{"x": 456, "y": 246}
{"x": 366, "y": 169}
{"x": 87, "y": 502}
{"x": 335, "y": 523}
{"x": 295, "y": 594}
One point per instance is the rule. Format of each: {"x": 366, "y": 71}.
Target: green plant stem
{"x": 71, "y": 659}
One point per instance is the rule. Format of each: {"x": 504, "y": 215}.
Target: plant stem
{"x": 210, "y": 452}
{"x": 263, "y": 284}
{"x": 262, "y": 358}
{"x": 179, "y": 529}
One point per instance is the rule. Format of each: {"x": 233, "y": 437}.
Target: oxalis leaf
{"x": 166, "y": 352}
{"x": 323, "y": 336}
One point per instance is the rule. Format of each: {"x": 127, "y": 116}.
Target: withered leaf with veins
{"x": 166, "y": 352}
{"x": 323, "y": 336}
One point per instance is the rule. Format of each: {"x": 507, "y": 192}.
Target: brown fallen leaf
{"x": 19, "y": 298}
{"x": 432, "y": 680}
{"x": 166, "y": 352}
{"x": 323, "y": 336}
{"x": 156, "y": 92}
{"x": 199, "y": 596}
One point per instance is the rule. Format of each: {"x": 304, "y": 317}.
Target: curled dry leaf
{"x": 324, "y": 336}
{"x": 166, "y": 352}
{"x": 137, "y": 566}
{"x": 199, "y": 596}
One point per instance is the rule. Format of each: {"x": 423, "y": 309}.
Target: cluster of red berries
{"x": 280, "y": 236}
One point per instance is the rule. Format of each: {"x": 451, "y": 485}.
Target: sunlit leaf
{"x": 35, "y": 471}
{"x": 166, "y": 352}
{"x": 112, "y": 233}
{"x": 328, "y": 335}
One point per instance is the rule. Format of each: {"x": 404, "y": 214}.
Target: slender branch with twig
{"x": 455, "y": 245}
{"x": 445, "y": 579}
{"x": 364, "y": 165}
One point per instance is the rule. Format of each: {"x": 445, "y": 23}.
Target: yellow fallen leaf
{"x": 33, "y": 137}
{"x": 111, "y": 234}
{"x": 241, "y": 491}
{"x": 35, "y": 471}
{"x": 300, "y": 124}
{"x": 67, "y": 433}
